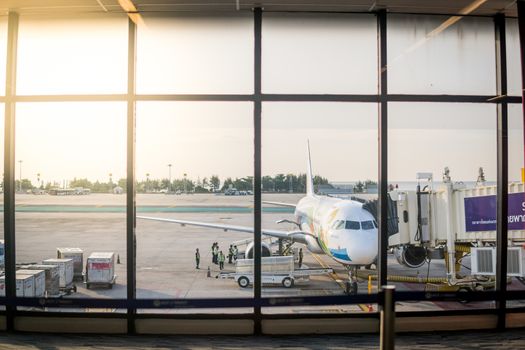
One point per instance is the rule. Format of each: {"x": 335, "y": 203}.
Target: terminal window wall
{"x": 188, "y": 154}
{"x": 76, "y": 153}
{"x": 441, "y": 55}
{"x": 430, "y": 138}
{"x": 343, "y": 148}
{"x": 182, "y": 144}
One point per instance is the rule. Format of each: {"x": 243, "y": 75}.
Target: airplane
{"x": 339, "y": 228}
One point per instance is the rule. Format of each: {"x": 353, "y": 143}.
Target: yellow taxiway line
{"x": 338, "y": 280}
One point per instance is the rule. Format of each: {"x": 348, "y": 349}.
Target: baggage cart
{"x": 77, "y": 255}
{"x": 52, "y": 283}
{"x": 100, "y": 270}
{"x": 39, "y": 282}
{"x": 65, "y": 271}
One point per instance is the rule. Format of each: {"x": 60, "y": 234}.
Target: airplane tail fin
{"x": 309, "y": 177}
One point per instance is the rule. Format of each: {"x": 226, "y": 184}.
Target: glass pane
{"x": 453, "y": 149}
{"x": 3, "y": 52}
{"x": 513, "y": 57}
{"x": 195, "y": 54}
{"x": 319, "y": 53}
{"x": 70, "y": 178}
{"x": 441, "y": 55}
{"x": 516, "y": 200}
{"x": 342, "y": 139}
{"x": 82, "y": 55}
{"x": 189, "y": 157}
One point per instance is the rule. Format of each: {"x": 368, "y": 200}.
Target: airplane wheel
{"x": 243, "y": 282}
{"x": 348, "y": 288}
{"x": 354, "y": 288}
{"x": 463, "y": 290}
{"x": 288, "y": 282}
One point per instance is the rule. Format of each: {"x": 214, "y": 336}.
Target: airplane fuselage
{"x": 340, "y": 228}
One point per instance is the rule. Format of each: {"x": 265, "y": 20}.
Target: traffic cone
{"x": 118, "y": 258}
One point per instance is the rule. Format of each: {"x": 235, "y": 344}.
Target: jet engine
{"x": 265, "y": 248}
{"x": 410, "y": 255}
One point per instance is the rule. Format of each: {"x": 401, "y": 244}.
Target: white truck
{"x": 274, "y": 270}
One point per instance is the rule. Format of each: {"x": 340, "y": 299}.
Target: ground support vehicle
{"x": 275, "y": 270}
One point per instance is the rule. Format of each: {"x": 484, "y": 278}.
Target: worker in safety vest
{"x": 197, "y": 258}
{"x": 221, "y": 260}
{"x": 300, "y": 257}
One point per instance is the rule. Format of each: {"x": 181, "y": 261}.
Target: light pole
{"x": 169, "y": 185}
{"x": 147, "y": 182}
{"x": 38, "y": 179}
{"x": 110, "y": 182}
{"x": 185, "y": 183}
{"x": 20, "y": 175}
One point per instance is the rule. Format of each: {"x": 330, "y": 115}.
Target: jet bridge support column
{"x": 451, "y": 237}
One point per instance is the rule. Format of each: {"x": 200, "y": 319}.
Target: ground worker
{"x": 197, "y": 258}
{"x": 300, "y": 257}
{"x": 235, "y": 252}
{"x": 215, "y": 253}
{"x": 221, "y": 260}
{"x": 230, "y": 254}
{"x": 212, "y": 253}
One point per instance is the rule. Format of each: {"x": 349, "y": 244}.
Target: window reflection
{"x": 432, "y": 55}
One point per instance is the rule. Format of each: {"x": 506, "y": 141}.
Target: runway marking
{"x": 338, "y": 280}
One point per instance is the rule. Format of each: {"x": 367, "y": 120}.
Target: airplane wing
{"x": 290, "y": 205}
{"x": 296, "y": 236}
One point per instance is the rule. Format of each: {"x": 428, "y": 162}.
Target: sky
{"x": 301, "y": 54}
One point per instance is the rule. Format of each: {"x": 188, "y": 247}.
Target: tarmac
{"x": 165, "y": 252}
{"x": 508, "y": 340}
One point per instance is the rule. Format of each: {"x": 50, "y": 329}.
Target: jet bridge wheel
{"x": 351, "y": 288}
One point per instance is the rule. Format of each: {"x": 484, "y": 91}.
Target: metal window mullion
{"x": 130, "y": 181}
{"x": 521, "y": 27}
{"x": 382, "y": 147}
{"x": 257, "y": 169}
{"x": 9, "y": 167}
{"x": 502, "y": 171}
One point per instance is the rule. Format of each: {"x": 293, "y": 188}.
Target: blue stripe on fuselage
{"x": 341, "y": 254}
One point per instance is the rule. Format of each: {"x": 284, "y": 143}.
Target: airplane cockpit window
{"x": 375, "y": 224}
{"x": 338, "y": 225}
{"x": 353, "y": 225}
{"x": 367, "y": 225}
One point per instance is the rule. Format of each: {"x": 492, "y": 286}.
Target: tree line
{"x": 278, "y": 183}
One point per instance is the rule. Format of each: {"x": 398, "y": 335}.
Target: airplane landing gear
{"x": 351, "y": 284}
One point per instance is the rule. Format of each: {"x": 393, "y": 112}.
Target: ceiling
{"x": 476, "y": 7}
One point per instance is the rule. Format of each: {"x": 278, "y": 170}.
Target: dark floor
{"x": 508, "y": 340}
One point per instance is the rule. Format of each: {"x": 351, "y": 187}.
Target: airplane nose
{"x": 362, "y": 247}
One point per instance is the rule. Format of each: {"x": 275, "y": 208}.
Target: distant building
{"x": 118, "y": 190}
{"x": 331, "y": 189}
